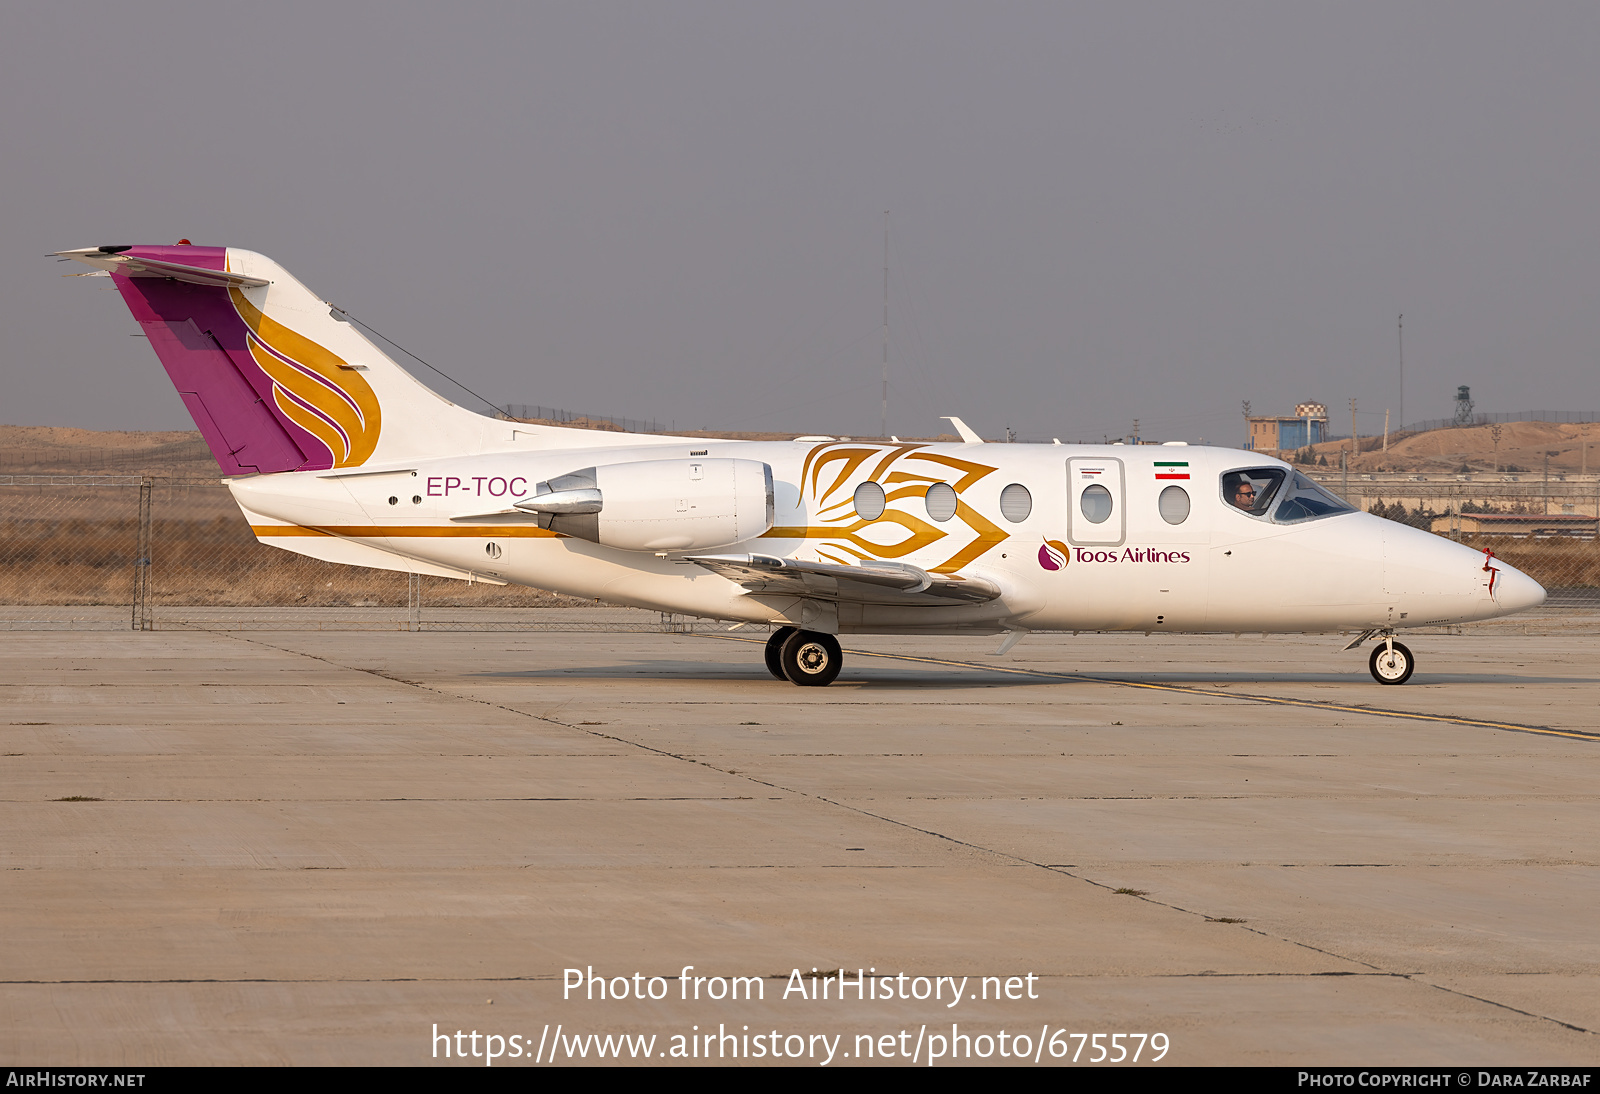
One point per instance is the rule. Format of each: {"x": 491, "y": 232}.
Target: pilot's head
{"x": 1243, "y": 494}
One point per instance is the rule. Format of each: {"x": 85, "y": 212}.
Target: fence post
{"x": 141, "y": 562}
{"x": 414, "y": 602}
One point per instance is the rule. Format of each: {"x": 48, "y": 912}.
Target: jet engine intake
{"x": 658, "y": 505}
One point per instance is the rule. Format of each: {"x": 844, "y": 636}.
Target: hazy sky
{"x": 675, "y": 210}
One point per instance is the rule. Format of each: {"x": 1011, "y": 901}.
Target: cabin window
{"x": 941, "y": 501}
{"x": 1174, "y": 504}
{"x": 1016, "y": 503}
{"x": 870, "y": 501}
{"x": 1095, "y": 501}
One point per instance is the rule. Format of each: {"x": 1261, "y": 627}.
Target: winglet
{"x": 967, "y": 435}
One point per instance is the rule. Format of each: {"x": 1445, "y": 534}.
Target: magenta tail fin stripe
{"x": 201, "y": 342}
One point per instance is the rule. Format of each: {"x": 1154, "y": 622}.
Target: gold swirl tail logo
{"x": 313, "y": 387}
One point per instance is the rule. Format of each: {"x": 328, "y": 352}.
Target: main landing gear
{"x": 807, "y": 658}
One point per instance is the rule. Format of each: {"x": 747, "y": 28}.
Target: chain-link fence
{"x": 74, "y": 550}
{"x": 120, "y": 551}
{"x": 99, "y": 552}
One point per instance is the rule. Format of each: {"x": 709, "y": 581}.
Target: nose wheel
{"x": 807, "y": 658}
{"x": 1391, "y": 663}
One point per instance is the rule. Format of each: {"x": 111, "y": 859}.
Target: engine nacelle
{"x": 659, "y": 505}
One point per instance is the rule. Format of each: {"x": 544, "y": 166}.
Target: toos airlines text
{"x": 332, "y": 450}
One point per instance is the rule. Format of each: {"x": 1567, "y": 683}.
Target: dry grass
{"x": 1554, "y": 563}
{"x": 209, "y": 563}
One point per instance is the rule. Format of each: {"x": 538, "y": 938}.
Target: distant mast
{"x": 883, "y": 412}
{"x": 1400, "y": 331}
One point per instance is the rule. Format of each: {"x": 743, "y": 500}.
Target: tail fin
{"x": 273, "y": 377}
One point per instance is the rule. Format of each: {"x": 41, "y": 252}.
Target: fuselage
{"x": 334, "y": 451}
{"x": 1143, "y": 538}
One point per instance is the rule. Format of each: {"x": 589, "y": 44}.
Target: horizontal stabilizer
{"x": 112, "y": 260}
{"x": 870, "y": 582}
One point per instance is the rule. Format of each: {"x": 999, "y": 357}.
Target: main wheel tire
{"x": 1391, "y": 668}
{"x": 811, "y": 659}
{"x": 775, "y": 651}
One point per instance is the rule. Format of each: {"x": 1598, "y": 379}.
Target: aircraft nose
{"x": 1515, "y": 591}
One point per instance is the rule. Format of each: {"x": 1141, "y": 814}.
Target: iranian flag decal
{"x": 1172, "y": 469}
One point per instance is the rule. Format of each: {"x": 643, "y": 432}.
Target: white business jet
{"x": 333, "y": 451}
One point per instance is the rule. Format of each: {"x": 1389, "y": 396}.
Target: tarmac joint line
{"x": 1009, "y": 856}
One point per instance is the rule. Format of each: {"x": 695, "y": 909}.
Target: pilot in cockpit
{"x": 1252, "y": 491}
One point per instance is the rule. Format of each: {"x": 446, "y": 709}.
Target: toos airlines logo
{"x": 1054, "y": 555}
{"x": 1130, "y": 554}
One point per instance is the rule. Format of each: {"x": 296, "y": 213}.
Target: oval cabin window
{"x": 1174, "y": 505}
{"x": 1016, "y": 503}
{"x": 869, "y": 501}
{"x": 1095, "y": 501}
{"x": 941, "y": 501}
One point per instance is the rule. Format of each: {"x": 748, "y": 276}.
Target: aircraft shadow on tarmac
{"x": 919, "y": 676}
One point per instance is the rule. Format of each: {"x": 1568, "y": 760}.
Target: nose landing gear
{"x": 1391, "y": 663}
{"x": 807, "y": 658}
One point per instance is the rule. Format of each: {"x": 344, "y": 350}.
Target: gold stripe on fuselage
{"x": 406, "y": 531}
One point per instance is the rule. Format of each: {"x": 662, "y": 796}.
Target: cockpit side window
{"x": 1252, "y": 491}
{"x": 1284, "y": 497}
{"x": 1305, "y": 500}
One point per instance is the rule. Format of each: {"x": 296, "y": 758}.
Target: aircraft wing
{"x": 869, "y": 583}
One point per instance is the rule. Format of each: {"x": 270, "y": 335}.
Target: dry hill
{"x": 48, "y": 449}
{"x": 182, "y": 454}
{"x": 1521, "y": 446}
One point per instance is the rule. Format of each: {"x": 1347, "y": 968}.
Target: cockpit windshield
{"x": 1305, "y": 500}
{"x": 1257, "y": 490}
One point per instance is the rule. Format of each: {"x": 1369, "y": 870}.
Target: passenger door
{"x": 1096, "y": 514}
